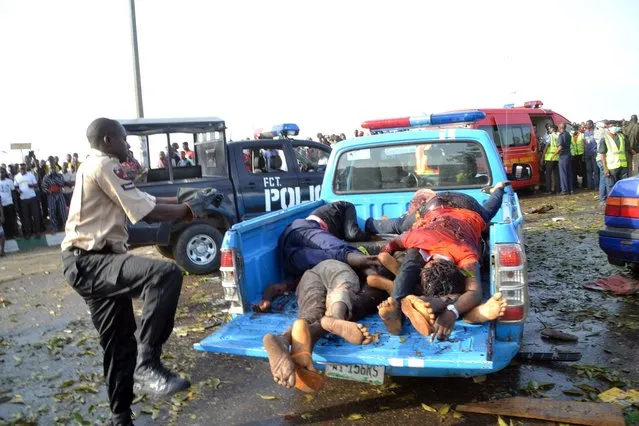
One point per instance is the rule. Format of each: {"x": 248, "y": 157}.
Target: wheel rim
{"x": 201, "y": 249}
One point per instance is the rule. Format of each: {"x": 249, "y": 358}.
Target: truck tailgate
{"x": 466, "y": 353}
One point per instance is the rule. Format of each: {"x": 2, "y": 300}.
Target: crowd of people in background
{"x": 589, "y": 156}
{"x": 178, "y": 158}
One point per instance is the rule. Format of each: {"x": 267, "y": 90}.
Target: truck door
{"x": 268, "y": 178}
{"x": 310, "y": 159}
{"x": 518, "y": 145}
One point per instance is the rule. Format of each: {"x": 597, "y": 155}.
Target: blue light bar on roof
{"x": 286, "y": 129}
{"x": 425, "y": 120}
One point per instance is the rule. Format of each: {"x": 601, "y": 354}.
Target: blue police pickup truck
{"x": 380, "y": 174}
{"x": 256, "y": 176}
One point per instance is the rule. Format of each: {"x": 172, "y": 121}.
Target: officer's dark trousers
{"x": 565, "y": 173}
{"x": 108, "y": 282}
{"x": 552, "y": 176}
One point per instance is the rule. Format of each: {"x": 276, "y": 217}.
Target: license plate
{"x": 373, "y": 374}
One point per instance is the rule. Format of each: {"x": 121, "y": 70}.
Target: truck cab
{"x": 270, "y": 173}
{"x": 379, "y": 174}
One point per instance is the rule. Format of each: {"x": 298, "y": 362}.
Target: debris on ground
{"x": 549, "y": 356}
{"x": 549, "y": 333}
{"x": 542, "y": 209}
{"x": 572, "y": 412}
{"x": 623, "y": 399}
{"x": 558, "y": 219}
{"x": 615, "y": 284}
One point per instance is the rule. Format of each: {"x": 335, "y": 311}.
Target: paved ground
{"x": 50, "y": 363}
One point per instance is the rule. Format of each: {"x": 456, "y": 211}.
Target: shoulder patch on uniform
{"x": 119, "y": 172}
{"x": 127, "y": 186}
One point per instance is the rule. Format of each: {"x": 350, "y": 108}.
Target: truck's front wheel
{"x": 197, "y": 249}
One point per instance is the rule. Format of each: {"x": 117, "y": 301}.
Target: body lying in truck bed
{"x": 250, "y": 263}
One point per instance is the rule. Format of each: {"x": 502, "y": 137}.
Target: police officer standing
{"x": 97, "y": 265}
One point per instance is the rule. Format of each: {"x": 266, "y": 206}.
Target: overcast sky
{"x": 326, "y": 65}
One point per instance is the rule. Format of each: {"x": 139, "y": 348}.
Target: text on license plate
{"x": 373, "y": 374}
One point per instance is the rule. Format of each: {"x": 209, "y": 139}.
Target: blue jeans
{"x": 603, "y": 190}
{"x": 592, "y": 172}
{"x": 615, "y": 176}
{"x": 565, "y": 173}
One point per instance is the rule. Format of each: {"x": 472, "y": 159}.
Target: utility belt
{"x": 77, "y": 252}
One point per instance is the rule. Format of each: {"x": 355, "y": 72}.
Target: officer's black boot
{"x": 152, "y": 377}
{"x": 121, "y": 419}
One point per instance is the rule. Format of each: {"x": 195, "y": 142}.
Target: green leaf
{"x": 354, "y": 417}
{"x": 18, "y": 360}
{"x": 267, "y": 397}
{"x": 306, "y": 416}
{"x": 308, "y": 397}
{"x": 573, "y": 392}
{"x": 86, "y": 388}
{"x": 428, "y": 408}
{"x": 402, "y": 339}
{"x": 67, "y": 383}
{"x": 501, "y": 421}
{"x": 443, "y": 411}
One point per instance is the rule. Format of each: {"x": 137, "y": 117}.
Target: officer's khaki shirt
{"x": 102, "y": 200}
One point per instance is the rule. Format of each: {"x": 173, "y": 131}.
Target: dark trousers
{"x": 57, "y": 210}
{"x": 108, "y": 282}
{"x": 408, "y": 277}
{"x": 10, "y": 224}
{"x": 592, "y": 172}
{"x": 304, "y": 244}
{"x": 615, "y": 176}
{"x": 31, "y": 217}
{"x": 336, "y": 282}
{"x": 565, "y": 173}
{"x": 552, "y": 176}
{"x": 404, "y": 223}
{"x": 578, "y": 170}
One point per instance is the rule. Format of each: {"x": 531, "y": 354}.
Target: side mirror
{"x": 520, "y": 172}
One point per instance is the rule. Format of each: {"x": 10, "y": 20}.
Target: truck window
{"x": 269, "y": 160}
{"x": 211, "y": 153}
{"x": 509, "y": 135}
{"x": 310, "y": 159}
{"x": 436, "y": 165}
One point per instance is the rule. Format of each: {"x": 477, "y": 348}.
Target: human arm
{"x": 467, "y": 301}
{"x": 33, "y": 182}
{"x": 166, "y": 200}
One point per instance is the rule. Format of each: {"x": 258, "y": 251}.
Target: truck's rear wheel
{"x": 166, "y": 251}
{"x": 197, "y": 249}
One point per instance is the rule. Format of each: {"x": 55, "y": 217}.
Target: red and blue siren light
{"x": 533, "y": 104}
{"x": 425, "y": 120}
{"x": 281, "y": 130}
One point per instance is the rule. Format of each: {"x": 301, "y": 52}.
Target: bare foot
{"x": 389, "y": 262}
{"x": 379, "y": 282}
{"x": 353, "y": 332}
{"x": 420, "y": 314}
{"x": 306, "y": 378}
{"x": 493, "y": 308}
{"x": 282, "y": 365}
{"x": 271, "y": 292}
{"x": 390, "y": 313}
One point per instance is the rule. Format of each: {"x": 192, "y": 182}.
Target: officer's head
{"x": 440, "y": 277}
{"x": 590, "y": 125}
{"x": 633, "y": 118}
{"x": 562, "y": 127}
{"x": 52, "y": 162}
{"x": 108, "y": 136}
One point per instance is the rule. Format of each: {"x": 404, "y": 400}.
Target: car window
{"x": 436, "y": 165}
{"x": 265, "y": 160}
{"x": 509, "y": 135}
{"x": 311, "y": 159}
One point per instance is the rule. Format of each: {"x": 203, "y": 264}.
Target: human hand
{"x": 202, "y": 199}
{"x": 607, "y": 173}
{"x": 357, "y": 260}
{"x": 443, "y": 327}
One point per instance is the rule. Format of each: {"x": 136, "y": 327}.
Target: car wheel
{"x": 166, "y": 251}
{"x": 197, "y": 249}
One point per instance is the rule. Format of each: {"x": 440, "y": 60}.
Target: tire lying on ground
{"x": 197, "y": 249}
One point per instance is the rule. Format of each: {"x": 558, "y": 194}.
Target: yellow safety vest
{"x": 615, "y": 158}
{"x": 422, "y": 167}
{"x": 577, "y": 144}
{"x": 552, "y": 148}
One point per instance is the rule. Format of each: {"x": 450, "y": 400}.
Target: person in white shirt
{"x": 184, "y": 162}
{"x": 69, "y": 179}
{"x": 8, "y": 209}
{"x": 25, "y": 182}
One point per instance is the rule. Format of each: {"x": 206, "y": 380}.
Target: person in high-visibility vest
{"x": 551, "y": 161}
{"x": 577, "y": 149}
{"x": 614, "y": 155}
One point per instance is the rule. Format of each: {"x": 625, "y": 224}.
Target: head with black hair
{"x": 441, "y": 277}
{"x": 108, "y": 136}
